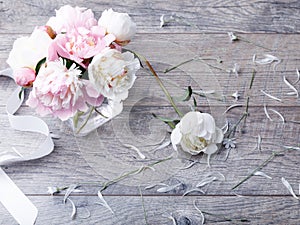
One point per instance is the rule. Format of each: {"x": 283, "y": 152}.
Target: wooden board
{"x": 269, "y": 27}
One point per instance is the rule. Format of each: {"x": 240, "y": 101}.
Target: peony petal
{"x": 188, "y": 122}
{"x": 210, "y": 149}
{"x": 176, "y": 136}
{"x": 209, "y": 122}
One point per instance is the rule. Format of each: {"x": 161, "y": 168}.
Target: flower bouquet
{"x": 75, "y": 66}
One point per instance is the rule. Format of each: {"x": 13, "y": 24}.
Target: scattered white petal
{"x": 231, "y": 107}
{"x": 168, "y": 188}
{"x": 262, "y": 174}
{"x": 236, "y": 69}
{"x": 154, "y": 185}
{"x": 141, "y": 155}
{"x": 292, "y": 148}
{"x": 52, "y": 190}
{"x": 162, "y": 21}
{"x": 69, "y": 191}
{"x": 218, "y": 175}
{"x": 259, "y": 142}
{"x": 173, "y": 219}
{"x": 103, "y": 202}
{"x": 225, "y": 127}
{"x": 232, "y": 36}
{"x": 266, "y": 112}
{"x": 236, "y": 95}
{"x": 298, "y": 77}
{"x": 203, "y": 218}
{"x": 254, "y": 58}
{"x": 201, "y": 92}
{"x": 205, "y": 181}
{"x": 289, "y": 187}
{"x": 74, "y": 210}
{"x": 193, "y": 190}
{"x": 267, "y": 60}
{"x": 279, "y": 114}
{"x": 271, "y": 96}
{"x": 163, "y": 145}
{"x": 189, "y": 165}
{"x": 295, "y": 92}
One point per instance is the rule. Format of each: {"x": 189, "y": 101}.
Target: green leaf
{"x": 70, "y": 62}
{"x": 195, "y": 103}
{"x": 135, "y": 54}
{"x": 186, "y": 97}
{"x": 76, "y": 118}
{"x": 171, "y": 122}
{"x": 21, "y": 92}
{"x": 39, "y": 64}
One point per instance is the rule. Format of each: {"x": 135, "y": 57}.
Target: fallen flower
{"x": 196, "y": 133}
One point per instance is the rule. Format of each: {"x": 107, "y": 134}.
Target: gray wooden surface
{"x": 201, "y": 29}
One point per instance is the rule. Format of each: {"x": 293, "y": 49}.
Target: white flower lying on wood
{"x": 196, "y": 133}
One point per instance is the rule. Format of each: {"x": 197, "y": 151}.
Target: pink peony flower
{"x": 79, "y": 45}
{"x": 67, "y": 18}
{"x": 24, "y": 76}
{"x": 59, "y": 91}
{"x": 78, "y": 35}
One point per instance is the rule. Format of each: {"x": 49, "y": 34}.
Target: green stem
{"x": 246, "y": 113}
{"x": 180, "y": 114}
{"x": 143, "y": 205}
{"x": 262, "y": 165}
{"x": 250, "y": 42}
{"x": 87, "y": 119}
{"x": 225, "y": 218}
{"x": 117, "y": 179}
{"x": 194, "y": 59}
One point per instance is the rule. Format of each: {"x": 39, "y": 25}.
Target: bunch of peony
{"x": 75, "y": 61}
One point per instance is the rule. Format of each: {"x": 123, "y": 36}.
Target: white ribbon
{"x": 13, "y": 199}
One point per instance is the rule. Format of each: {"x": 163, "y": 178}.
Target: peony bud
{"x": 118, "y": 24}
{"x": 24, "y": 76}
{"x": 49, "y": 31}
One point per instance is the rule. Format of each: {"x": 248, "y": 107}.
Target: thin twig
{"x": 262, "y": 165}
{"x": 121, "y": 177}
{"x": 143, "y": 205}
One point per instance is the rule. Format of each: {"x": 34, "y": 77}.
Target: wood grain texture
{"x": 193, "y": 16}
{"x": 271, "y": 27}
{"x": 129, "y": 210}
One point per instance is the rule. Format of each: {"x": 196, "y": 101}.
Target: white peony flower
{"x": 113, "y": 73}
{"x": 118, "y": 24}
{"x": 28, "y": 51}
{"x": 197, "y": 132}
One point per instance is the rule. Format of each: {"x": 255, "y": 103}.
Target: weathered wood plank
{"x": 68, "y": 165}
{"x": 192, "y": 16}
{"x": 129, "y": 210}
{"x": 200, "y": 75}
